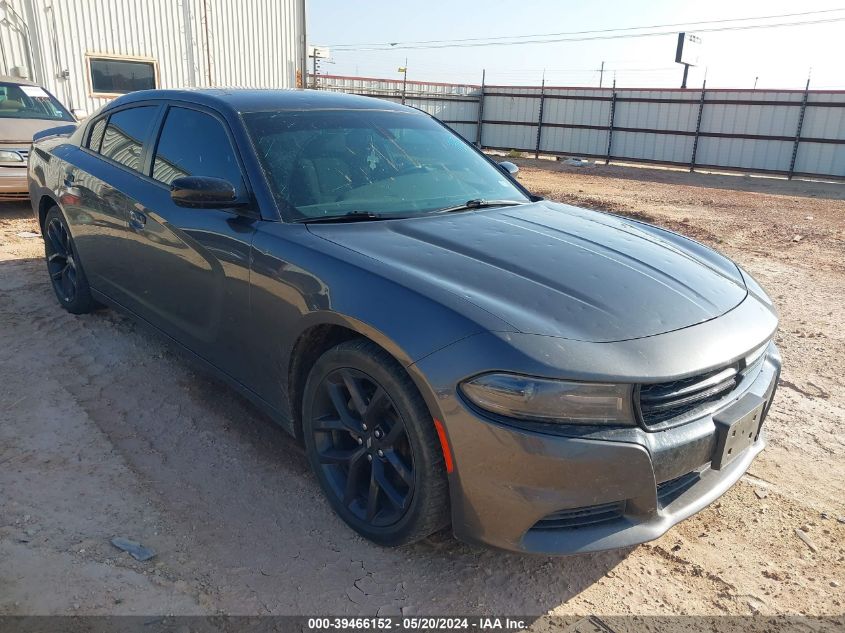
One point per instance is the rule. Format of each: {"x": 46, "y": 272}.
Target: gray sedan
{"x": 450, "y": 349}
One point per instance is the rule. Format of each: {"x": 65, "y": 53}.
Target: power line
{"x": 466, "y": 43}
{"x": 627, "y": 28}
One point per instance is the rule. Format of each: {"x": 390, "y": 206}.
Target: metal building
{"x": 89, "y": 51}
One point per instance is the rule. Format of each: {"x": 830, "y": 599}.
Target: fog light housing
{"x": 548, "y": 400}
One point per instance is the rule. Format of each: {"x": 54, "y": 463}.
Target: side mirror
{"x": 509, "y": 168}
{"x": 203, "y": 192}
{"x": 80, "y": 114}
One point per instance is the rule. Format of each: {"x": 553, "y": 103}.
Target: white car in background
{"x": 25, "y": 109}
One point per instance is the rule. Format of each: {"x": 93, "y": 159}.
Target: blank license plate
{"x": 736, "y": 429}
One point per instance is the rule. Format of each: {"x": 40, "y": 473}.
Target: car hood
{"x": 19, "y": 132}
{"x": 555, "y": 270}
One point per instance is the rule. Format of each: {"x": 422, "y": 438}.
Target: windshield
{"x": 30, "y": 102}
{"x": 339, "y": 162}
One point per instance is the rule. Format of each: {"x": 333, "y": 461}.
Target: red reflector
{"x": 444, "y": 444}
{"x": 69, "y": 199}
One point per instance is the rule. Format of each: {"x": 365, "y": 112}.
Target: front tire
{"x": 66, "y": 274}
{"x": 372, "y": 444}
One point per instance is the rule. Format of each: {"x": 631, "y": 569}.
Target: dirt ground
{"x": 105, "y": 432}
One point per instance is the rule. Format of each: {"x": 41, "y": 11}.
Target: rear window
{"x": 96, "y": 135}
{"x": 125, "y": 134}
{"x": 30, "y": 102}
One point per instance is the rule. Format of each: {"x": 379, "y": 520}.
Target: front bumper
{"x": 507, "y": 480}
{"x": 13, "y": 183}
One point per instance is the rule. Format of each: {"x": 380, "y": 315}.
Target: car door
{"x": 97, "y": 186}
{"x": 190, "y": 266}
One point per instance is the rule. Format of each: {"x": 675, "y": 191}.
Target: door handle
{"x": 137, "y": 220}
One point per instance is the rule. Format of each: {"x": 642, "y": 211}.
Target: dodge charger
{"x": 450, "y": 349}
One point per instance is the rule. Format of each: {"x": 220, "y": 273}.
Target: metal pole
{"x": 61, "y": 74}
{"x": 479, "y": 126}
{"x": 610, "y": 125}
{"x": 601, "y": 74}
{"x": 684, "y": 80}
{"x": 6, "y": 70}
{"x": 189, "y": 42}
{"x": 314, "y": 70}
{"x": 798, "y": 131}
{"x": 697, "y": 127}
{"x": 540, "y": 118}
{"x": 303, "y": 44}
{"x": 208, "y": 75}
{"x": 404, "y": 80}
{"x": 32, "y": 49}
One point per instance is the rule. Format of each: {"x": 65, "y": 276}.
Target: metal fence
{"x": 784, "y": 132}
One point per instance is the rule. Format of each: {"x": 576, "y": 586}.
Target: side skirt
{"x": 192, "y": 357}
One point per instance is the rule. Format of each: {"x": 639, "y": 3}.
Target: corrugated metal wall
{"x": 738, "y": 130}
{"x": 250, "y": 43}
{"x": 455, "y": 104}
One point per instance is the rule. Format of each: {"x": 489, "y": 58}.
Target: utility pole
{"x": 686, "y": 72}
{"x": 480, "y": 124}
{"x": 540, "y": 116}
{"x": 303, "y": 43}
{"x": 601, "y": 74}
{"x": 404, "y": 71}
{"x": 610, "y": 123}
{"x": 800, "y": 125}
{"x": 755, "y": 82}
{"x": 316, "y": 54}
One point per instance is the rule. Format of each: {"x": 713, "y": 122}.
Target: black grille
{"x": 581, "y": 517}
{"x": 670, "y": 490}
{"x": 666, "y": 402}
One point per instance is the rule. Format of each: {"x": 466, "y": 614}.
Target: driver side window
{"x": 194, "y": 143}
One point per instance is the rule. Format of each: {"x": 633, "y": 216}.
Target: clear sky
{"x": 780, "y": 57}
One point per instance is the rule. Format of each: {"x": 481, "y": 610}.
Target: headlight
{"x": 9, "y": 156}
{"x": 754, "y": 288}
{"x": 544, "y": 400}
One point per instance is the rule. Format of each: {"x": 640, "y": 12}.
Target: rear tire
{"x": 372, "y": 444}
{"x": 66, "y": 274}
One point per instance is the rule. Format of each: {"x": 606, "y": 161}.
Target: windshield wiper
{"x": 480, "y": 203}
{"x": 352, "y": 216}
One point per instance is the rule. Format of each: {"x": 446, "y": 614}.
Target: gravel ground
{"x": 104, "y": 432}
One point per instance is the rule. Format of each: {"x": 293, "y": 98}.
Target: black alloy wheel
{"x": 66, "y": 274}
{"x": 60, "y": 260}
{"x": 363, "y": 448}
{"x": 372, "y": 444}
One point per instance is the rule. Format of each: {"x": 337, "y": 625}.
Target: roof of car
{"x": 16, "y": 80}
{"x": 252, "y": 100}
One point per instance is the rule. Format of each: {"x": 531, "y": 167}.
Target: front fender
{"x": 299, "y": 281}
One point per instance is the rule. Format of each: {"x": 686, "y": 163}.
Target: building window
{"x": 119, "y": 76}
